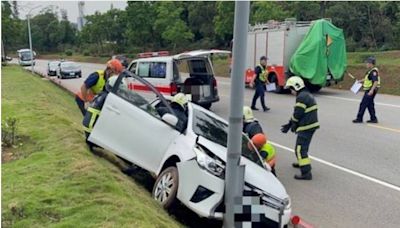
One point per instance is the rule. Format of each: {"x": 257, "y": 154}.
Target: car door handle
{"x": 113, "y": 109}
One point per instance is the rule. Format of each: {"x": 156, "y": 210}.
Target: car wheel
{"x": 166, "y": 187}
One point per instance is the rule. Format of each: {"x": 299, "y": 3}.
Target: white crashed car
{"x": 189, "y": 166}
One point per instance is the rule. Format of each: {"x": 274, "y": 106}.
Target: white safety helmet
{"x": 295, "y": 83}
{"x": 180, "y": 99}
{"x": 111, "y": 82}
{"x": 247, "y": 114}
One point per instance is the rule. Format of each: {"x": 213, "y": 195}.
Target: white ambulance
{"x": 162, "y": 71}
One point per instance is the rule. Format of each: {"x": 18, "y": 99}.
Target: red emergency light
{"x": 153, "y": 54}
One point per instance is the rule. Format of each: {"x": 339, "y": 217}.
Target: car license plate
{"x": 71, "y": 74}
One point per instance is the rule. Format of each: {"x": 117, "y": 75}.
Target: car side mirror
{"x": 170, "y": 119}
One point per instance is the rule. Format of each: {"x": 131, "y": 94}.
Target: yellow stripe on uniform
{"x": 307, "y": 127}
{"x": 312, "y": 108}
{"x": 302, "y": 161}
{"x": 301, "y": 105}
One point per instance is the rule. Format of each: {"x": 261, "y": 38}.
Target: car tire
{"x": 166, "y": 187}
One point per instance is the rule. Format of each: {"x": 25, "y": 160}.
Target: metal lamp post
{"x": 234, "y": 172}
{"x": 28, "y": 16}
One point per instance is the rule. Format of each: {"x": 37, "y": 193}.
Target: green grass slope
{"x": 51, "y": 179}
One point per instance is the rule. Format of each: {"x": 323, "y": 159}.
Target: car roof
{"x": 155, "y": 59}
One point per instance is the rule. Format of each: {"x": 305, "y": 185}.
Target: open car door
{"x": 130, "y": 125}
{"x": 201, "y": 82}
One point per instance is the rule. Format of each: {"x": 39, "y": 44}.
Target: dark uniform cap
{"x": 371, "y": 60}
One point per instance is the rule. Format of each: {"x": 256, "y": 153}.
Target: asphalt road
{"x": 356, "y": 167}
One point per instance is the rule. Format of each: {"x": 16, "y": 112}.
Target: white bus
{"x": 25, "y": 58}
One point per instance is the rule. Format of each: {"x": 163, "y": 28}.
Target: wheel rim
{"x": 164, "y": 188}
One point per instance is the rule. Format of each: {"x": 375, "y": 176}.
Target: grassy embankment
{"x": 51, "y": 178}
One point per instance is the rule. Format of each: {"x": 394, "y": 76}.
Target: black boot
{"x": 305, "y": 176}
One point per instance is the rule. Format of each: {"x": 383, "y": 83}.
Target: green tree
{"x": 173, "y": 29}
{"x": 262, "y": 12}
{"x": 11, "y": 27}
{"x": 200, "y": 20}
{"x": 139, "y": 33}
{"x": 223, "y": 22}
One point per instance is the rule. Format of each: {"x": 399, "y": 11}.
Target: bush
{"x": 68, "y": 52}
{"x": 9, "y": 132}
{"x": 86, "y": 53}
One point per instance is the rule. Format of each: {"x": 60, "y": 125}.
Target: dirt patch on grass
{"x": 16, "y": 151}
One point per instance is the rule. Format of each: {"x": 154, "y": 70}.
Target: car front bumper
{"x": 203, "y": 193}
{"x": 70, "y": 74}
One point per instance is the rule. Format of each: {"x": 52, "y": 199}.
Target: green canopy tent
{"x": 322, "y": 51}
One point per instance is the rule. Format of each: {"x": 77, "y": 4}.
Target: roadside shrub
{"x": 86, "y": 53}
{"x": 9, "y": 132}
{"x": 68, "y": 52}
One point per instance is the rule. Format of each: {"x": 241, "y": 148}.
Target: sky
{"x": 71, "y": 6}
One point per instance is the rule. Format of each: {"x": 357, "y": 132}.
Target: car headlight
{"x": 288, "y": 203}
{"x": 213, "y": 165}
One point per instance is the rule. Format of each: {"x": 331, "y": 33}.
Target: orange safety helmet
{"x": 259, "y": 140}
{"x": 115, "y": 65}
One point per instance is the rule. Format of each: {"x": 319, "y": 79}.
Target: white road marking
{"x": 358, "y": 100}
{"x": 355, "y": 173}
{"x": 385, "y": 128}
{"x": 224, "y": 82}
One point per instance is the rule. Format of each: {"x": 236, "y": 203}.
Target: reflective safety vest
{"x": 263, "y": 74}
{"x": 368, "y": 83}
{"x": 270, "y": 150}
{"x": 100, "y": 83}
{"x": 96, "y": 89}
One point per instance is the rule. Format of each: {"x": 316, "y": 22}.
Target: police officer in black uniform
{"x": 304, "y": 122}
{"x": 259, "y": 80}
{"x": 371, "y": 84}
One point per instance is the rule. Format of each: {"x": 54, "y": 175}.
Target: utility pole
{"x": 30, "y": 39}
{"x": 234, "y": 178}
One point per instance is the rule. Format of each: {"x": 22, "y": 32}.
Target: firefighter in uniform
{"x": 304, "y": 123}
{"x": 94, "y": 84}
{"x": 94, "y": 109}
{"x": 371, "y": 84}
{"x": 179, "y": 106}
{"x": 265, "y": 149}
{"x": 259, "y": 80}
{"x": 254, "y": 131}
{"x": 251, "y": 126}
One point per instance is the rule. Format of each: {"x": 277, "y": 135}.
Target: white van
{"x": 25, "y": 58}
{"x": 162, "y": 71}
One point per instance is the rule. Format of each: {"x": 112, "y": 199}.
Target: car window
{"x": 152, "y": 69}
{"x": 176, "y": 77}
{"x": 133, "y": 67}
{"x": 138, "y": 94}
{"x": 53, "y": 64}
{"x": 198, "y": 66}
{"x": 217, "y": 131}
